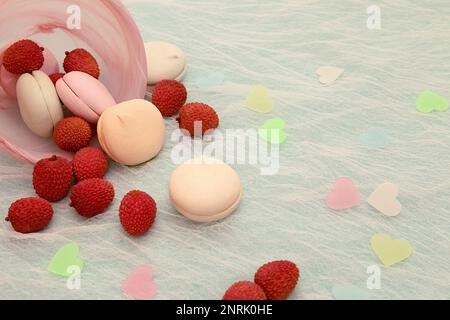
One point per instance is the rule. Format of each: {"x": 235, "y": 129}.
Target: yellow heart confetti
{"x": 258, "y": 100}
{"x": 390, "y": 251}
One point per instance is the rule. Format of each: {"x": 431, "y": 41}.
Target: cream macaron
{"x": 165, "y": 61}
{"x": 205, "y": 190}
{"x": 84, "y": 95}
{"x": 131, "y": 132}
{"x": 38, "y": 103}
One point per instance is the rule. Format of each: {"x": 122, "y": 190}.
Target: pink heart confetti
{"x": 344, "y": 195}
{"x": 140, "y": 284}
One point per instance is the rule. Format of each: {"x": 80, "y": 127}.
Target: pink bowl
{"x": 107, "y": 30}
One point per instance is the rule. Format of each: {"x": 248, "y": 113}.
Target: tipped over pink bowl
{"x": 106, "y": 30}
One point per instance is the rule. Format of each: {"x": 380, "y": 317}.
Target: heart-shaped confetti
{"x": 374, "y": 138}
{"x": 384, "y": 199}
{"x": 390, "y": 251}
{"x": 344, "y": 195}
{"x": 213, "y": 79}
{"x": 140, "y": 284}
{"x": 430, "y": 101}
{"x": 349, "y": 293}
{"x": 329, "y": 74}
{"x": 272, "y": 131}
{"x": 258, "y": 100}
{"x": 65, "y": 259}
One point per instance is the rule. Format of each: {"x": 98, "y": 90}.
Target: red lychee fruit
{"x": 245, "y": 290}
{"x": 137, "y": 212}
{"x": 198, "y": 118}
{"x": 30, "y": 214}
{"x": 89, "y": 163}
{"x": 81, "y": 60}
{"x": 72, "y": 134}
{"x": 24, "y": 56}
{"x": 52, "y": 178}
{"x": 91, "y": 197}
{"x": 56, "y": 76}
{"x": 169, "y": 96}
{"x": 278, "y": 279}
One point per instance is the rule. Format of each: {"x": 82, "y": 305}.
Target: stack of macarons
{"x": 131, "y": 132}
{"x": 70, "y": 107}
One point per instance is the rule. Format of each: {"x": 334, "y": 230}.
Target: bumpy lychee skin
{"x": 89, "y": 163}
{"x": 56, "y": 76}
{"x": 72, "y": 134}
{"x": 24, "y": 56}
{"x": 91, "y": 197}
{"x": 137, "y": 212}
{"x": 81, "y": 60}
{"x": 245, "y": 290}
{"x": 199, "y": 113}
{"x": 278, "y": 279}
{"x": 30, "y": 215}
{"x": 52, "y": 178}
{"x": 169, "y": 96}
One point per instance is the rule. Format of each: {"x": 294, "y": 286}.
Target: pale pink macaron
{"x": 84, "y": 95}
{"x": 205, "y": 189}
{"x": 8, "y": 80}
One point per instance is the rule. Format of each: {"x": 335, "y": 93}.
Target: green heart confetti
{"x": 430, "y": 101}
{"x": 273, "y": 131}
{"x": 66, "y": 257}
